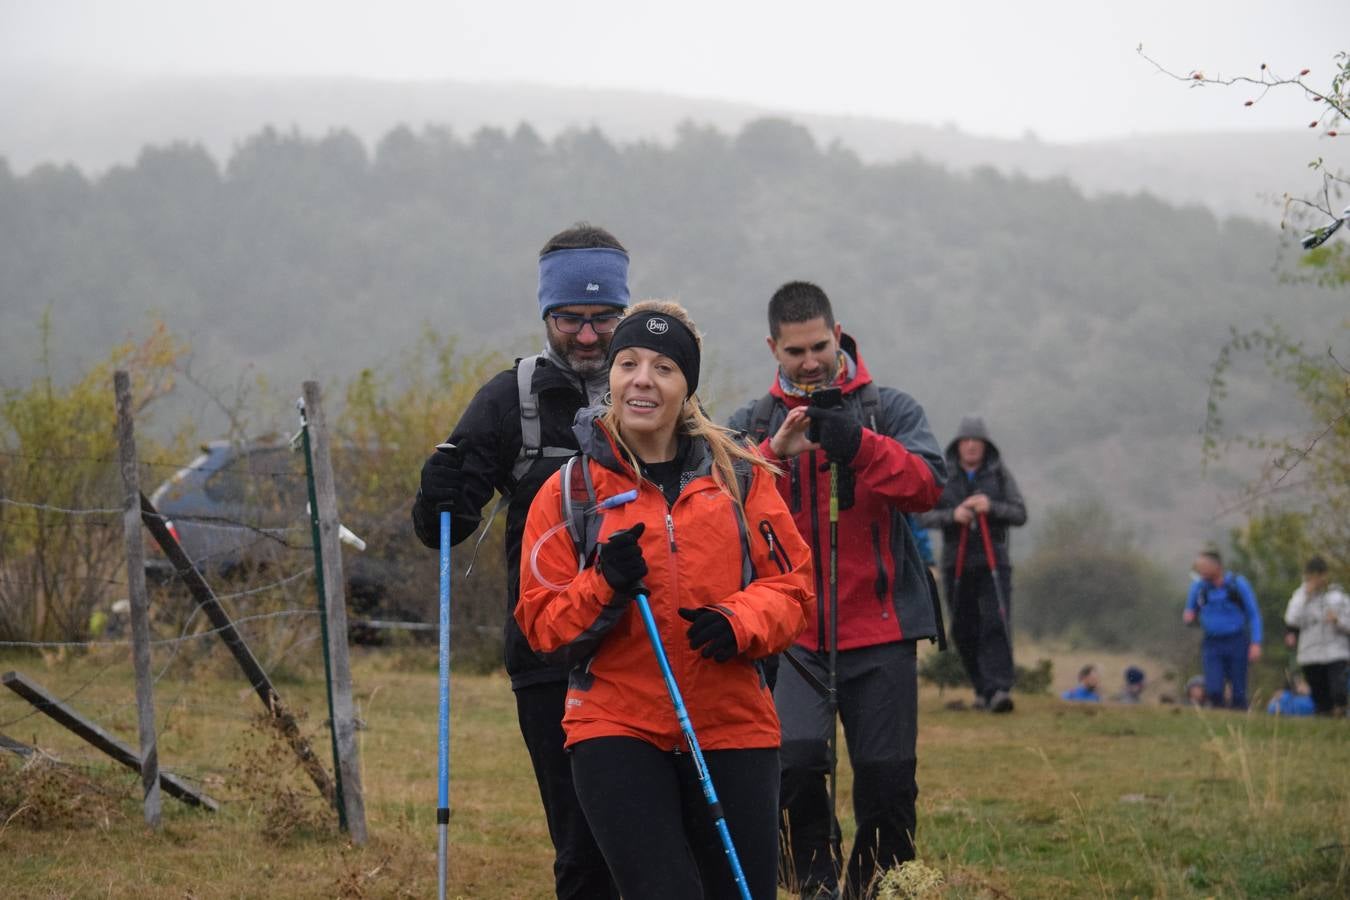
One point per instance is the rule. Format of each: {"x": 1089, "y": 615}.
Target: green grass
{"x": 1052, "y": 801}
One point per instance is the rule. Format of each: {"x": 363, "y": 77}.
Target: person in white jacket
{"x": 1318, "y": 623}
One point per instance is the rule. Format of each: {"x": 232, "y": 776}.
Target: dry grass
{"x": 1052, "y": 801}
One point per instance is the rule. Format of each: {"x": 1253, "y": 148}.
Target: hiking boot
{"x": 1001, "y": 702}
{"x": 981, "y": 702}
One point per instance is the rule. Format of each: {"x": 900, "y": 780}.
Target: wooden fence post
{"x": 140, "y": 614}
{"x": 333, "y": 597}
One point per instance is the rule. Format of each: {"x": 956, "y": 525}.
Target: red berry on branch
{"x": 1249, "y": 103}
{"x": 1304, "y": 72}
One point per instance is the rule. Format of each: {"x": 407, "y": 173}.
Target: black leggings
{"x": 651, "y": 820}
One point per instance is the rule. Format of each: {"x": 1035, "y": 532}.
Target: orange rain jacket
{"x": 693, "y": 553}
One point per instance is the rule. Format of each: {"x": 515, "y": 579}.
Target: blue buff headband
{"x": 594, "y": 275}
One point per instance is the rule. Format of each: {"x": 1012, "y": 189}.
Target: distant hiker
{"x": 515, "y": 433}
{"x": 712, "y": 545}
{"x": 981, "y": 489}
{"x": 1292, "y": 701}
{"x": 1318, "y": 623}
{"x": 1195, "y": 691}
{"x": 887, "y": 462}
{"x": 1089, "y": 677}
{"x": 1132, "y": 691}
{"x": 1226, "y": 608}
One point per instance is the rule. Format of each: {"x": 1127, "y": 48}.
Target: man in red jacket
{"x": 888, "y": 464}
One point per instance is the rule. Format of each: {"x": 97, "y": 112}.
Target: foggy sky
{"x": 1063, "y": 70}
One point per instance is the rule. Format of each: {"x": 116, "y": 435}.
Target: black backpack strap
{"x": 871, "y": 403}
{"x": 760, "y": 417}
{"x": 745, "y": 476}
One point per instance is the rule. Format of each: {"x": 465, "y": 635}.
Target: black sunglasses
{"x": 570, "y": 323}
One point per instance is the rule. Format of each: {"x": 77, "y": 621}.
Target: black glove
{"x": 443, "y": 479}
{"x": 621, "y": 561}
{"x": 840, "y": 435}
{"x": 712, "y": 631}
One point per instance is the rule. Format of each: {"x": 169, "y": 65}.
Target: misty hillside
{"x": 96, "y": 121}
{"x": 1083, "y": 328}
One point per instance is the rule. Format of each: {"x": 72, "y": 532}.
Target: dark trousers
{"x": 652, "y": 821}
{"x": 982, "y": 634}
{"x": 1326, "y": 681}
{"x": 1224, "y": 658}
{"x": 878, "y": 705}
{"x": 579, "y": 871}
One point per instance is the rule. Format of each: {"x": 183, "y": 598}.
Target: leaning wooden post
{"x": 140, "y": 616}
{"x": 324, "y": 526}
{"x": 278, "y": 713}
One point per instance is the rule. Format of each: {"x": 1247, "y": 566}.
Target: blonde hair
{"x": 726, "y": 445}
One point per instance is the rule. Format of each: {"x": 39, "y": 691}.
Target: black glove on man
{"x": 840, "y": 433}
{"x": 712, "y": 631}
{"x": 443, "y": 479}
{"x": 621, "y": 561}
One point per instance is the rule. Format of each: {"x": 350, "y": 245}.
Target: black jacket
{"x": 1006, "y": 507}
{"x": 489, "y": 434}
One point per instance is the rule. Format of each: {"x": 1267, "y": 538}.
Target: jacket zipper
{"x": 815, "y": 551}
{"x": 776, "y": 552}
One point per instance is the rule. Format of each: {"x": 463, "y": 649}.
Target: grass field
{"x": 1052, "y": 801}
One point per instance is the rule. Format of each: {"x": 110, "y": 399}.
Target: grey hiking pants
{"x": 878, "y": 705}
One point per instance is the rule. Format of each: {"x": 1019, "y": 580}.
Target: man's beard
{"x": 565, "y": 346}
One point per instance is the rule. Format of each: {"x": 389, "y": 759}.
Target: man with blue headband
{"x": 516, "y": 432}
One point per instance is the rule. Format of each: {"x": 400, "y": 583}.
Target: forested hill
{"x": 1082, "y": 328}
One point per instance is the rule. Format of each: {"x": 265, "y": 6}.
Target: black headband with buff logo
{"x": 664, "y": 334}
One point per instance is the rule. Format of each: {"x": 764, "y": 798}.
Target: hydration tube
{"x": 611, "y": 503}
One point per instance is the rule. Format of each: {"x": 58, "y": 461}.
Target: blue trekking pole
{"x": 443, "y": 756}
{"x": 686, "y": 726}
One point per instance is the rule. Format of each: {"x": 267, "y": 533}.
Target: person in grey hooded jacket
{"x": 980, "y": 484}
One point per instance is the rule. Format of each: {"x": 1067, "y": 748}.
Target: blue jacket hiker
{"x": 1085, "y": 691}
{"x": 1226, "y": 608}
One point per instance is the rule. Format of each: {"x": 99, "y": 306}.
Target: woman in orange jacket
{"x": 710, "y": 540}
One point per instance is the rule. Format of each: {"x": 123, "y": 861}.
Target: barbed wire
{"x": 176, "y": 466}
{"x": 162, "y": 642}
{"x": 7, "y": 501}
{"x": 274, "y": 533}
{"x": 34, "y": 582}
{"x": 202, "y": 519}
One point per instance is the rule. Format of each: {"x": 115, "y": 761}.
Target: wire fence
{"x": 241, "y": 515}
{"x": 244, "y": 526}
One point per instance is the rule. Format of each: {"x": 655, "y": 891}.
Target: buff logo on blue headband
{"x": 572, "y": 277}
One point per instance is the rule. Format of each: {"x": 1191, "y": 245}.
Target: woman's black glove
{"x": 443, "y": 479}
{"x": 840, "y": 435}
{"x": 621, "y": 561}
{"x": 712, "y": 631}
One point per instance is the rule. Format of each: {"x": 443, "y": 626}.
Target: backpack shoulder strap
{"x": 745, "y": 476}
{"x": 578, "y": 507}
{"x": 531, "y": 431}
{"x": 760, "y": 417}
{"x": 870, "y": 395}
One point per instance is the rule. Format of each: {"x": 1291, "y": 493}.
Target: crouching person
{"x": 711, "y": 543}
